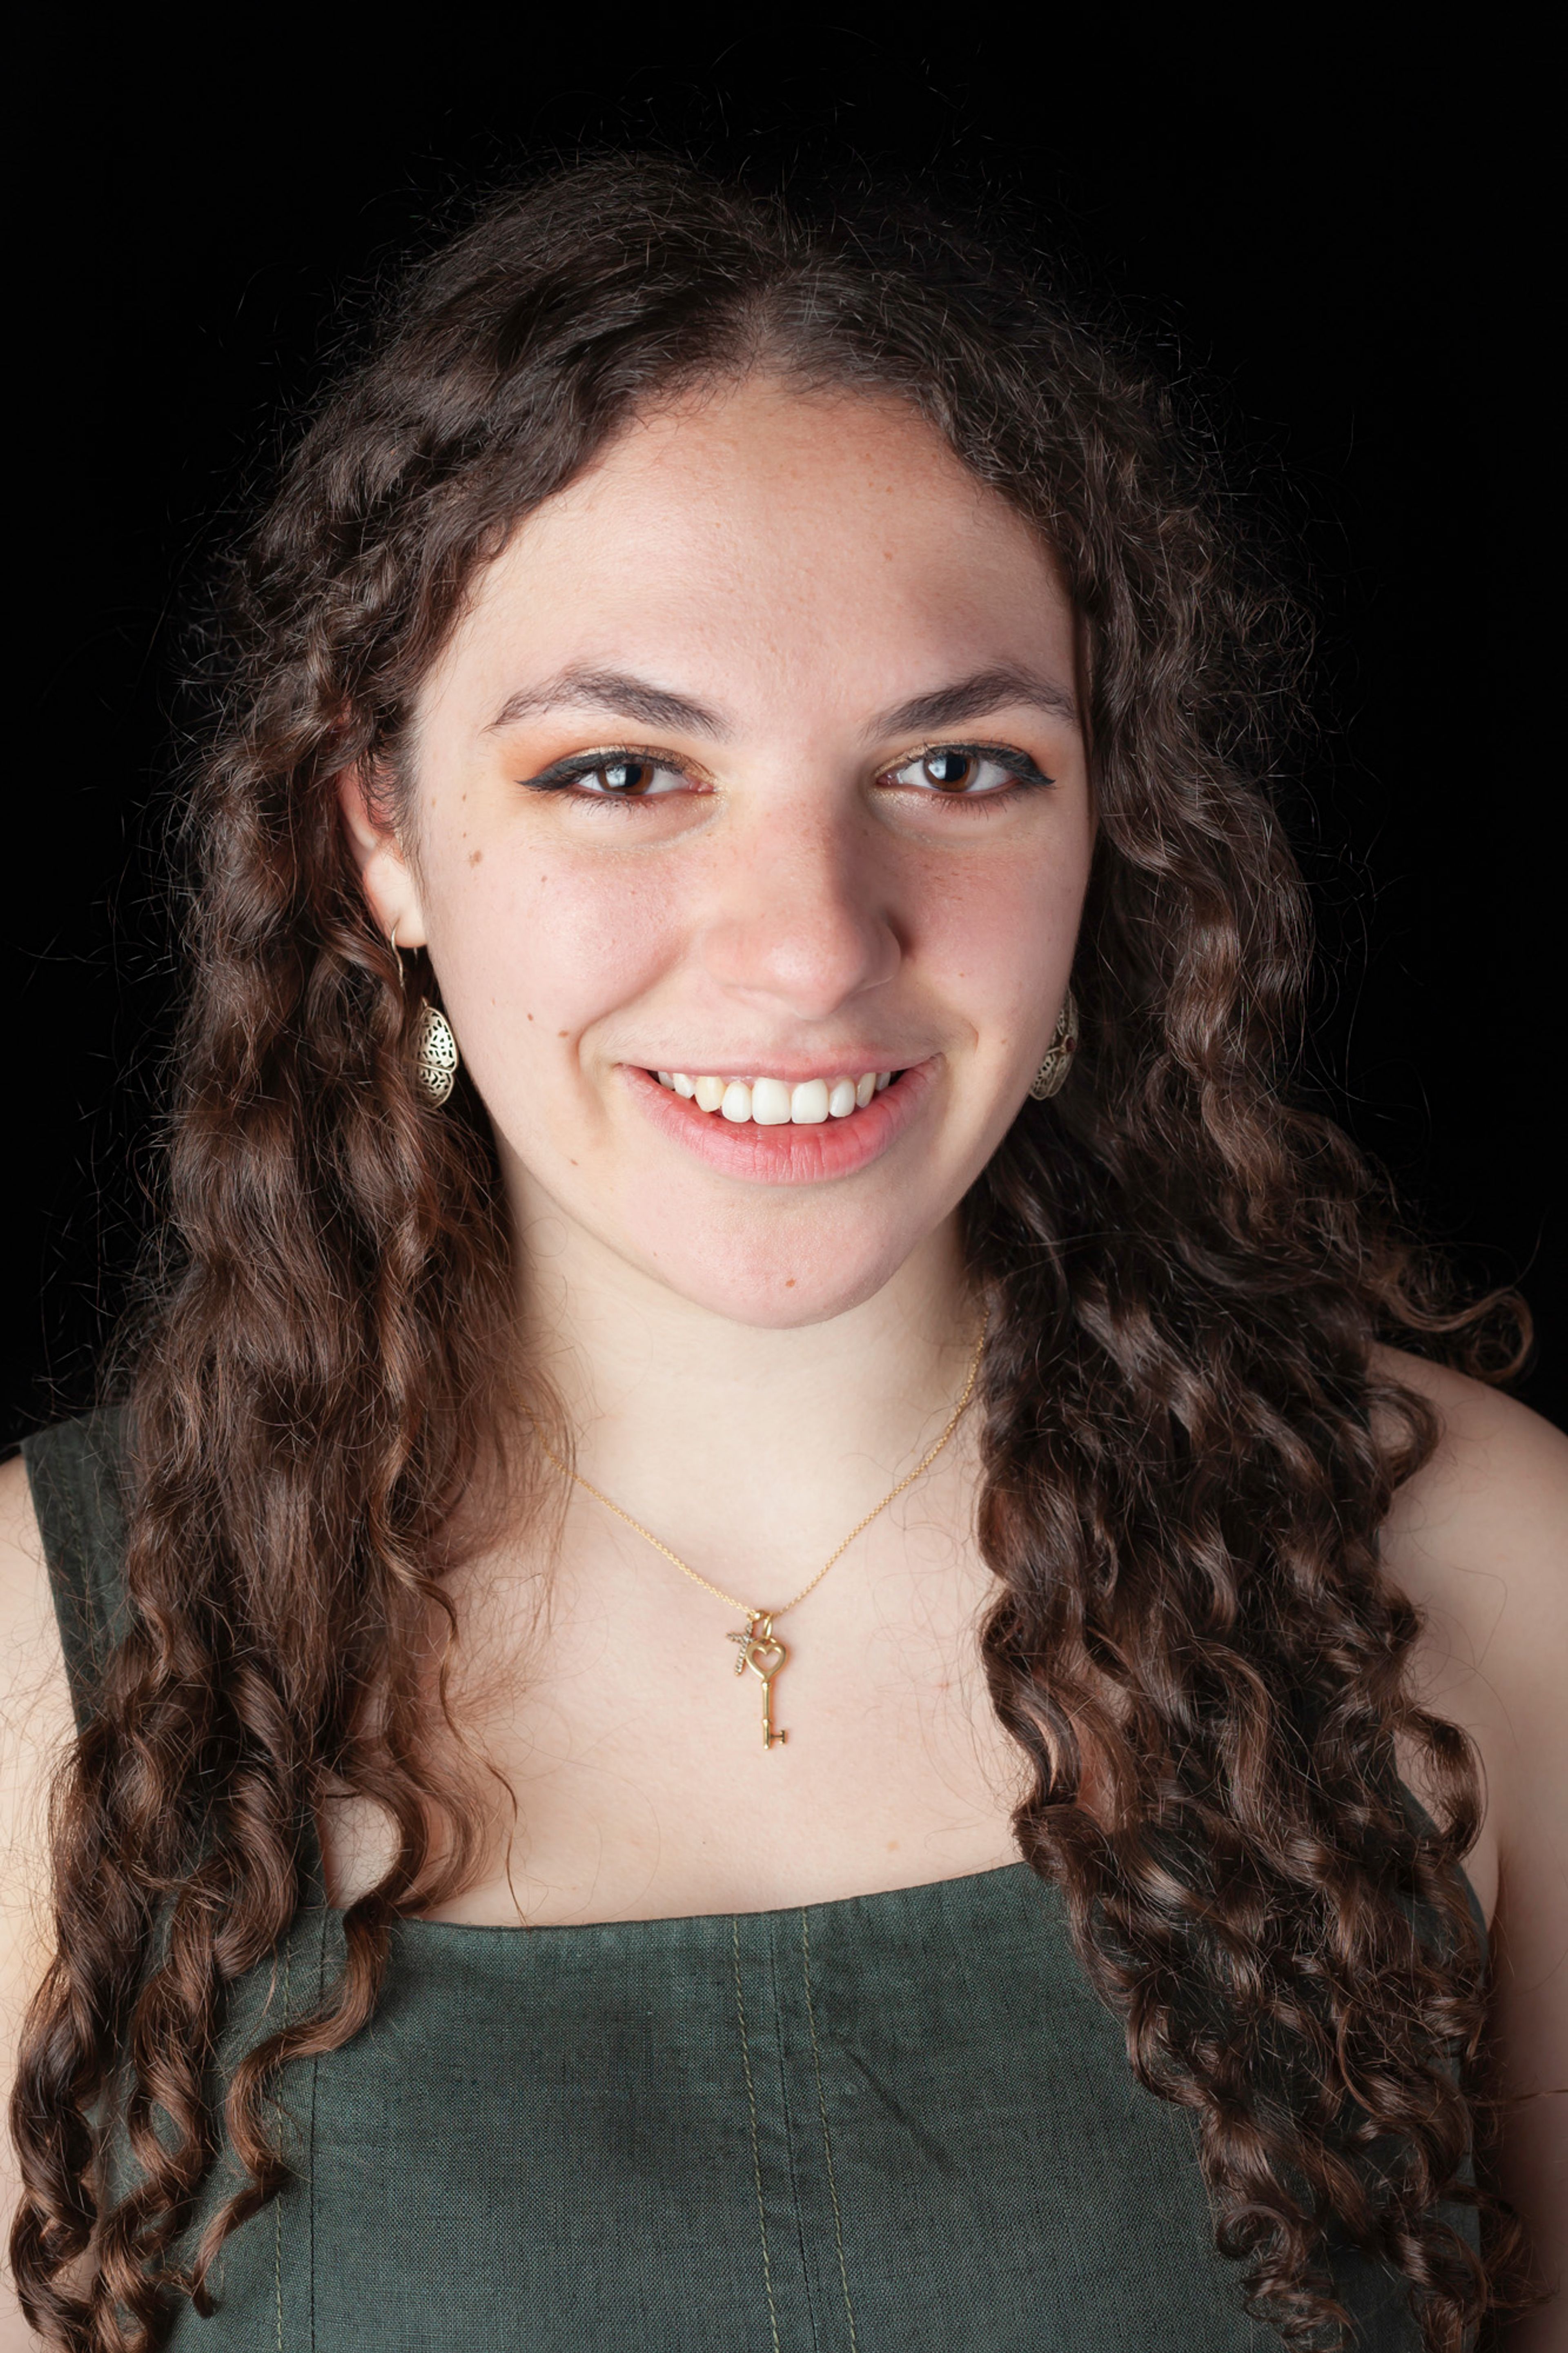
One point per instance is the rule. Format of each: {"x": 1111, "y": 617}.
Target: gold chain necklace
{"x": 759, "y": 1647}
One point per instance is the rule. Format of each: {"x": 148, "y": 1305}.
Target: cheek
{"x": 1002, "y": 941}
{"x": 511, "y": 936}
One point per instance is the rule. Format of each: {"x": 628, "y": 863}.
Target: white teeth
{"x": 774, "y": 1102}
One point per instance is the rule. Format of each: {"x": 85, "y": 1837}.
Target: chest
{"x": 624, "y": 1732}
{"x": 632, "y": 1731}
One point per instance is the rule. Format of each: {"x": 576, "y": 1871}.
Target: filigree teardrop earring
{"x": 1051, "y": 1076}
{"x": 435, "y": 1048}
{"x": 435, "y": 1052}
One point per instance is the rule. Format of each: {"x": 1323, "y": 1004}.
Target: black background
{"x": 1334, "y": 243}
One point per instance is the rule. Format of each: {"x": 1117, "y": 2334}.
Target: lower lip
{"x": 785, "y": 1155}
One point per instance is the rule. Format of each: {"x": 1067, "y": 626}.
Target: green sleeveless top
{"x": 899, "y": 2122}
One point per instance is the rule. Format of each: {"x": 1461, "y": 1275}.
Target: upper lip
{"x": 794, "y": 1068}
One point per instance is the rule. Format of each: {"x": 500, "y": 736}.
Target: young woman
{"x": 777, "y": 1647}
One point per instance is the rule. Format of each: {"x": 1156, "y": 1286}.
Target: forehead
{"x": 750, "y": 537}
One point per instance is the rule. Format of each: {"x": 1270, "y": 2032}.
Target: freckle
{"x": 475, "y": 856}
{"x": 789, "y": 1282}
{"x": 565, "y": 1033}
{"x": 893, "y": 1846}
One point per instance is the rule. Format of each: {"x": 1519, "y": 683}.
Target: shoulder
{"x": 1479, "y": 1540}
{"x": 35, "y": 1720}
{"x": 32, "y": 1689}
{"x": 35, "y": 1728}
{"x": 62, "y": 1533}
{"x": 1494, "y": 1497}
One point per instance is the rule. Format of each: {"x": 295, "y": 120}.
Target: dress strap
{"x": 74, "y": 1473}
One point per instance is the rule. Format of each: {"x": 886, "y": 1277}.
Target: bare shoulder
{"x": 32, "y": 1669}
{"x": 35, "y": 1722}
{"x": 1479, "y": 1540}
{"x": 35, "y": 1702}
{"x": 1497, "y": 1487}
{"x": 35, "y": 1729}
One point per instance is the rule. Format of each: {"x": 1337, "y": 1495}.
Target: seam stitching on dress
{"x": 756, "y": 2149}
{"x": 794, "y": 2152}
{"x": 827, "y": 2135}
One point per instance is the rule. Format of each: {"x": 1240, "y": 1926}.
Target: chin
{"x": 777, "y": 1289}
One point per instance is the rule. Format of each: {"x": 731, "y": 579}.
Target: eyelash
{"x": 1027, "y": 776}
{"x": 565, "y": 773}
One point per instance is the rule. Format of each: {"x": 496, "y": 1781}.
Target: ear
{"x": 386, "y": 875}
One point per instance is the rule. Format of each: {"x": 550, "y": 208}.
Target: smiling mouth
{"x": 775, "y": 1102}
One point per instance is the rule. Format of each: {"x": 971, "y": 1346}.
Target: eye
{"x": 614, "y": 776}
{"x": 628, "y": 776}
{"x": 966, "y": 772}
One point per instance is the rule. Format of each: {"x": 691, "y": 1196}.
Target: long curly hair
{"x": 1189, "y": 1446}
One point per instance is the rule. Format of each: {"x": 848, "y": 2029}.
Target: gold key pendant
{"x": 760, "y": 1649}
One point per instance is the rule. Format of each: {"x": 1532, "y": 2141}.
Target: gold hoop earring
{"x": 435, "y": 1056}
{"x": 1051, "y": 1076}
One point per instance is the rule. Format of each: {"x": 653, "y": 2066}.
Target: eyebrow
{"x": 627, "y": 697}
{"x": 614, "y": 690}
{"x": 972, "y": 697}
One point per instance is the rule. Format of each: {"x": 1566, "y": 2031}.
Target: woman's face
{"x": 754, "y": 759}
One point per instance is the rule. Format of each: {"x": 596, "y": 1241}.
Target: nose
{"x": 799, "y": 924}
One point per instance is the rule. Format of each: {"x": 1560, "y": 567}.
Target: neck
{"x": 734, "y": 1440}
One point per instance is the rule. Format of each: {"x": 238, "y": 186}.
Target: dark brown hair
{"x": 1189, "y": 1445}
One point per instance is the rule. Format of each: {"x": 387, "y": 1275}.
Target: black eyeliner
{"x": 562, "y": 774}
{"x": 1006, "y": 756}
{"x": 1019, "y": 762}
{"x": 577, "y": 765}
